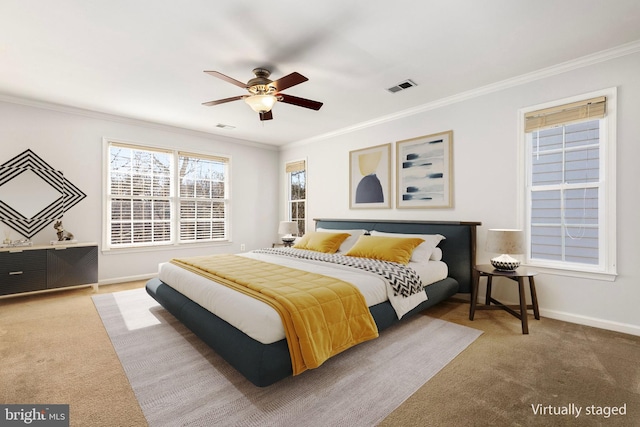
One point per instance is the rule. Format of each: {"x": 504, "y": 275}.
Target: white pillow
{"x": 350, "y": 241}
{"x": 436, "y": 255}
{"x": 424, "y": 250}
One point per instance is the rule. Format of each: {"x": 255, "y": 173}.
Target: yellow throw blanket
{"x": 322, "y": 316}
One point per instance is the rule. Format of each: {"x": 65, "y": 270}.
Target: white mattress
{"x": 260, "y": 321}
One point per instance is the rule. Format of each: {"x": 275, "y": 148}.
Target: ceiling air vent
{"x": 223, "y": 126}
{"x": 402, "y": 86}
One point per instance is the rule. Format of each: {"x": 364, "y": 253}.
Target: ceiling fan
{"x": 264, "y": 93}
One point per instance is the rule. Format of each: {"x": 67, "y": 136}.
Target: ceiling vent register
{"x": 402, "y": 86}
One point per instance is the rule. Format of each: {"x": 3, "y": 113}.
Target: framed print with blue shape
{"x": 370, "y": 177}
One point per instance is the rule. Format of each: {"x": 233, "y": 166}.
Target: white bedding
{"x": 260, "y": 321}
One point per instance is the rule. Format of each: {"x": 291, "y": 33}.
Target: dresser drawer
{"x": 22, "y": 281}
{"x": 22, "y": 260}
{"x": 72, "y": 266}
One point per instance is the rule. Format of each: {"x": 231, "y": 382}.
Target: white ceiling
{"x": 144, "y": 59}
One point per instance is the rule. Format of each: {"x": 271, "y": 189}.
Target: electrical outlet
{"x": 242, "y": 247}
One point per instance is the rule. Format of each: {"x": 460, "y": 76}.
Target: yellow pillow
{"x": 394, "y": 249}
{"x": 321, "y": 242}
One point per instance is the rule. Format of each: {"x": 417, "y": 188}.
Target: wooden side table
{"x": 517, "y": 275}
{"x": 282, "y": 244}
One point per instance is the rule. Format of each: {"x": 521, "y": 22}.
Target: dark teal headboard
{"x": 458, "y": 249}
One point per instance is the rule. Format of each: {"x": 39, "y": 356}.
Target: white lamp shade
{"x": 261, "y": 103}
{"x": 288, "y": 227}
{"x": 504, "y": 241}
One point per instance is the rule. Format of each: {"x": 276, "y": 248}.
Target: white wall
{"x": 485, "y": 167}
{"x": 72, "y": 143}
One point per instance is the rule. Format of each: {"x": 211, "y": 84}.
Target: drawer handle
{"x": 14, "y": 273}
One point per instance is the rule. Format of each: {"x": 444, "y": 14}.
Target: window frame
{"x": 607, "y": 269}
{"x": 174, "y": 199}
{"x": 289, "y": 200}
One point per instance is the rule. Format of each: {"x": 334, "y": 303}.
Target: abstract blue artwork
{"x": 424, "y": 171}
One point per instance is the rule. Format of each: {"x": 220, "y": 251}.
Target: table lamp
{"x": 505, "y": 242}
{"x": 288, "y": 228}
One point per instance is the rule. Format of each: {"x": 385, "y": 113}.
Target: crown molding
{"x": 585, "y": 61}
{"x": 130, "y": 121}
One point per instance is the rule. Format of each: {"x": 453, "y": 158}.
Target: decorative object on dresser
{"x": 63, "y": 235}
{"x": 41, "y": 268}
{"x": 8, "y": 243}
{"x": 506, "y": 242}
{"x": 33, "y": 194}
{"x": 288, "y": 229}
{"x": 424, "y": 168}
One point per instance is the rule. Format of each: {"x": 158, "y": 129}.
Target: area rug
{"x": 179, "y": 381}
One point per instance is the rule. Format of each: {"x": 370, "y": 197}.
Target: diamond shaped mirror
{"x": 33, "y": 194}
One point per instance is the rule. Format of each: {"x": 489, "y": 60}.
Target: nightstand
{"x": 282, "y": 245}
{"x": 518, "y": 275}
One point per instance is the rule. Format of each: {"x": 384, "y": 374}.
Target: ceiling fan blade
{"x": 222, "y": 101}
{"x": 300, "y": 102}
{"x": 288, "y": 81}
{"x": 266, "y": 115}
{"x": 227, "y": 79}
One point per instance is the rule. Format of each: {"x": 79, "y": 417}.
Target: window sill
{"x": 160, "y": 248}
{"x": 581, "y": 274}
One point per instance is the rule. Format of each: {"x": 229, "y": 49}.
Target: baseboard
{"x": 127, "y": 279}
{"x": 52, "y": 290}
{"x": 609, "y": 325}
{"x": 592, "y": 321}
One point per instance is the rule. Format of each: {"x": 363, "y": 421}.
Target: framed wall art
{"x": 425, "y": 171}
{"x": 370, "y": 177}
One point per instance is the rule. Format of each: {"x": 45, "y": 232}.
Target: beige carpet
{"x": 54, "y": 349}
{"x": 179, "y": 381}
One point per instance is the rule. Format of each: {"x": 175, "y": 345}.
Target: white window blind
{"x": 139, "y": 196}
{"x": 159, "y": 197}
{"x": 203, "y": 197}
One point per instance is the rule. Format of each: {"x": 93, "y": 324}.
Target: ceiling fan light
{"x": 261, "y": 103}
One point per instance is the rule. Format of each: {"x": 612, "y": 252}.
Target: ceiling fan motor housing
{"x": 260, "y": 84}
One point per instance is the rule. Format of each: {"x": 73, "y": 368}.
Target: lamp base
{"x": 288, "y": 241}
{"x": 505, "y": 262}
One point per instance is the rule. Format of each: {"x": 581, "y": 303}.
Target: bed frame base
{"x": 264, "y": 364}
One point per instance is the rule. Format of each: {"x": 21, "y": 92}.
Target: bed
{"x": 264, "y": 364}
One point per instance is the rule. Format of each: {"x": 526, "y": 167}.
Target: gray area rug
{"x": 179, "y": 381}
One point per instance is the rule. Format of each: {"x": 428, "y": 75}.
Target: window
{"x": 159, "y": 197}
{"x": 297, "y": 193}
{"x": 203, "y": 197}
{"x": 570, "y": 185}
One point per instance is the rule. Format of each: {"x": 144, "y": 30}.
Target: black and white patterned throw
{"x": 403, "y": 279}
